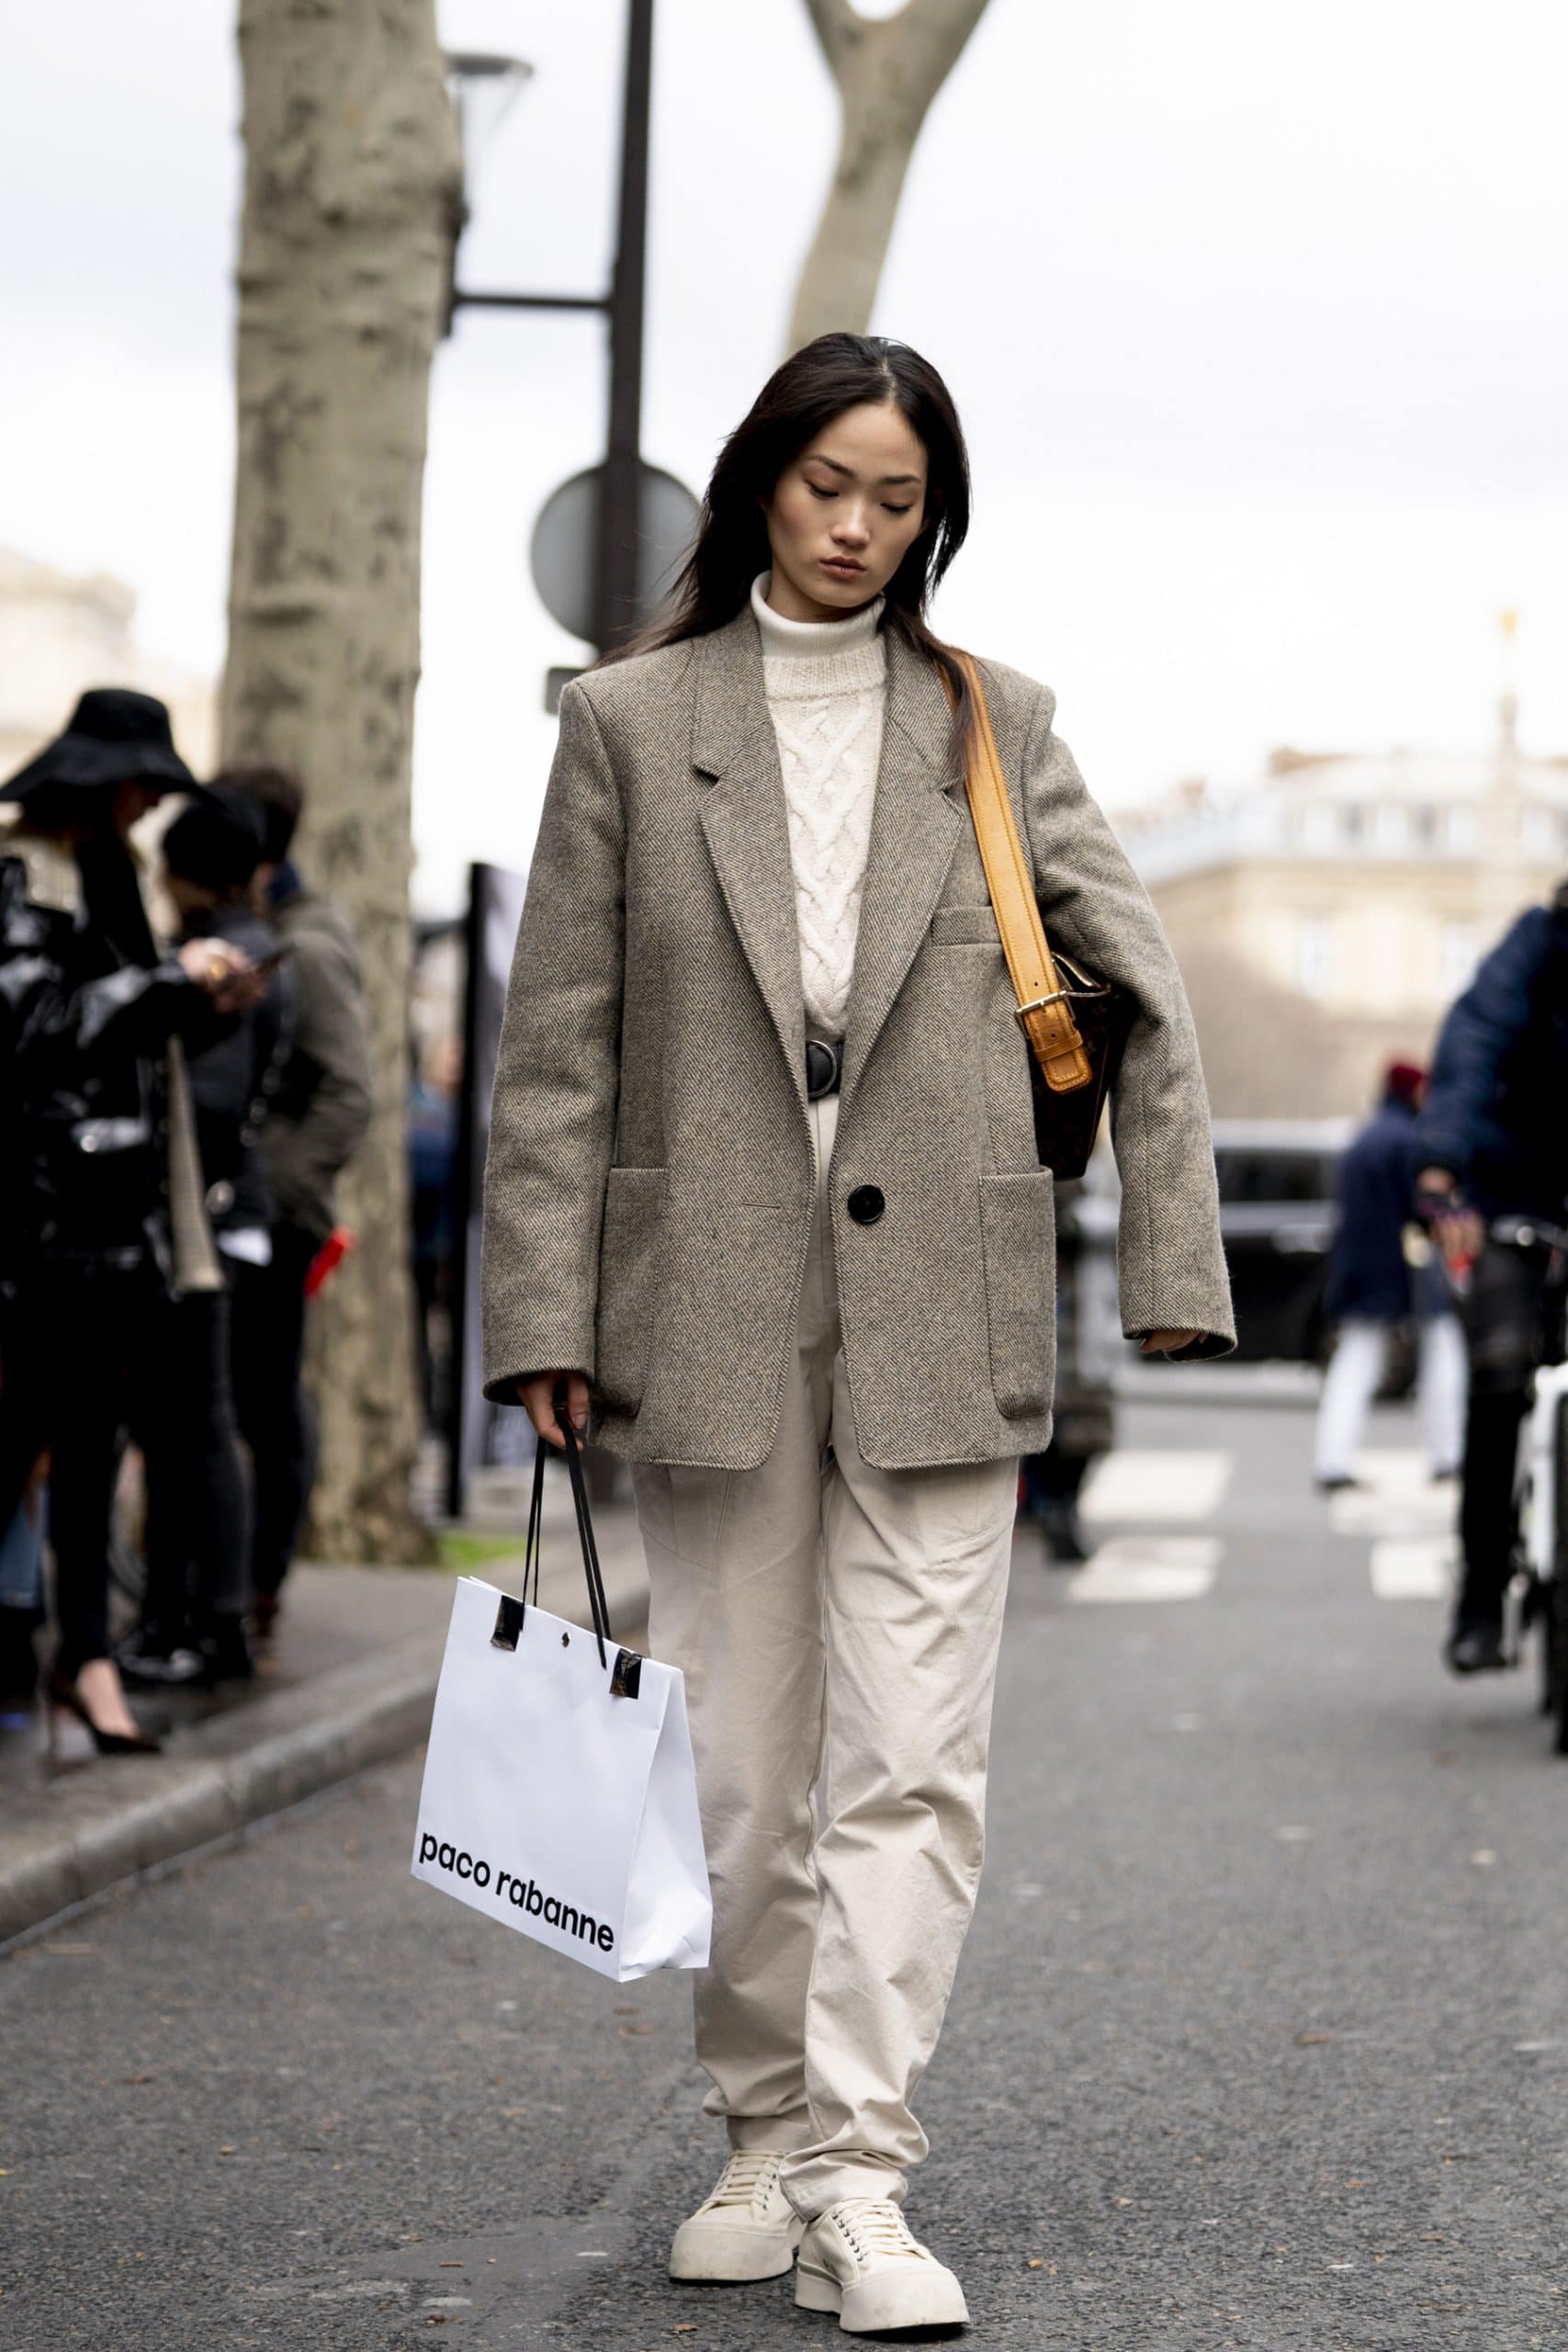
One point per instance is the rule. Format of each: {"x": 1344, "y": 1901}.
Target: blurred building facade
{"x": 1327, "y": 913}
{"x": 60, "y": 632}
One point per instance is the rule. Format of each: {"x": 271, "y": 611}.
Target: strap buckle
{"x": 1038, "y": 1004}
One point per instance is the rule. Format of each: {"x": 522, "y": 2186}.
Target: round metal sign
{"x": 564, "y": 548}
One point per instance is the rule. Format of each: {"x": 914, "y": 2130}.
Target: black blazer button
{"x": 865, "y": 1204}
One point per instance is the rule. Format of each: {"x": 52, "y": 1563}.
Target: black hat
{"x": 115, "y": 737}
{"x": 217, "y": 841}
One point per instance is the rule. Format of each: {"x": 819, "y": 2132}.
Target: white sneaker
{"x": 747, "y": 2229}
{"x": 858, "y": 2259}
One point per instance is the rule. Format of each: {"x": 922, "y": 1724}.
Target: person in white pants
{"x": 1372, "y": 1289}
{"x": 764, "y": 1180}
{"x": 1356, "y": 1374}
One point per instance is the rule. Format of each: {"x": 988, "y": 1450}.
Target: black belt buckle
{"x": 824, "y": 1068}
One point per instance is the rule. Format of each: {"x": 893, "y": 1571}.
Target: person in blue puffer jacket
{"x": 1494, "y": 1140}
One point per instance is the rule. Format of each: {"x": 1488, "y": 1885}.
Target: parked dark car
{"x": 1277, "y": 1214}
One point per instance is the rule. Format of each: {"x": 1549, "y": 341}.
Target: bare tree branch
{"x": 940, "y": 28}
{"x": 888, "y": 71}
{"x": 834, "y": 23}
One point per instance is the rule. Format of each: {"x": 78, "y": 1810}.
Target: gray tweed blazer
{"x": 649, "y": 1188}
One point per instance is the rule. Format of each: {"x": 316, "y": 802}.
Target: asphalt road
{"x": 1261, "y": 2040}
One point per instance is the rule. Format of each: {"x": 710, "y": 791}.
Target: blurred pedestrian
{"x": 320, "y": 1111}
{"x": 1374, "y": 1291}
{"x": 199, "y": 1502}
{"x": 433, "y": 1159}
{"x": 821, "y": 1334}
{"x": 1083, "y": 1411}
{"x": 21, "y": 1599}
{"x": 1493, "y": 1146}
{"x": 105, "y": 1228}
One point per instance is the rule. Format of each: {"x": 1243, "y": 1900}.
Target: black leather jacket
{"x": 84, "y": 1095}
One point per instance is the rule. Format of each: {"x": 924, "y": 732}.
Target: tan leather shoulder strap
{"x": 1045, "y": 1012}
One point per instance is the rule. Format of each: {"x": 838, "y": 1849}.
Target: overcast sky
{"x": 1255, "y": 315}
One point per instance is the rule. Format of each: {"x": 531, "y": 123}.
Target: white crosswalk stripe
{"x": 1146, "y": 1483}
{"x": 1394, "y": 1496}
{"x": 1407, "y": 1523}
{"x": 1158, "y": 1485}
{"x": 1149, "y": 1567}
{"x": 1410, "y": 1520}
{"x": 1417, "y": 1567}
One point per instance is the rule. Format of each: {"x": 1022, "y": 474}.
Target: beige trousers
{"x": 838, "y": 1626}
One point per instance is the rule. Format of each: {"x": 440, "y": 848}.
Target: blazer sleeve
{"x": 1171, "y": 1263}
{"x": 552, "y": 1121}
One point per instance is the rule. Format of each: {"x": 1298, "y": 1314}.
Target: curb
{"x": 296, "y": 1743}
{"x": 124, "y": 1818}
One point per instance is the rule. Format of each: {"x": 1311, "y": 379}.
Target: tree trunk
{"x": 351, "y": 201}
{"x": 887, "y": 71}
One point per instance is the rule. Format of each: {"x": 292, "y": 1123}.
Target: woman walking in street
{"x": 763, "y": 1183}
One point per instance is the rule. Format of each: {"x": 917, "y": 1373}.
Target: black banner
{"x": 480, "y": 1435}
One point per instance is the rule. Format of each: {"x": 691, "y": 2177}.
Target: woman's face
{"x": 843, "y": 516}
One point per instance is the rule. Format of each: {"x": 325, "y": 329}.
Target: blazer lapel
{"x": 915, "y": 830}
{"x": 746, "y": 822}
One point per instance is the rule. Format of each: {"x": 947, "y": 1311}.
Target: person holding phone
{"x": 198, "y": 1503}
{"x": 104, "y": 1235}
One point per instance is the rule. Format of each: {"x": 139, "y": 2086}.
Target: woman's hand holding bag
{"x": 540, "y": 1398}
{"x": 1167, "y": 1343}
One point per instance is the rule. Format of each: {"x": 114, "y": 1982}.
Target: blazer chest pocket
{"x": 965, "y": 927}
{"x": 1018, "y": 1227}
{"x": 629, "y": 1258}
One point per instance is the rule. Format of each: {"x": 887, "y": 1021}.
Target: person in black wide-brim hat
{"x": 116, "y": 737}
{"x": 101, "y": 1218}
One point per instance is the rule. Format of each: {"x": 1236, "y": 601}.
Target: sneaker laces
{"x": 749, "y": 2174}
{"x": 876, "y": 2229}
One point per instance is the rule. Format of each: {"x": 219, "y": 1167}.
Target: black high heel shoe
{"x": 66, "y": 1695}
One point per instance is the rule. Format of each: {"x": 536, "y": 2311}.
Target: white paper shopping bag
{"x": 559, "y": 1796}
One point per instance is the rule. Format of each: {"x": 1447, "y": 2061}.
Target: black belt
{"x": 824, "y": 1068}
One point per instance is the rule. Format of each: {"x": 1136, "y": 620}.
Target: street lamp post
{"x": 615, "y": 561}
{"x": 616, "y": 602}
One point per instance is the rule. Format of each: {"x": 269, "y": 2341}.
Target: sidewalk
{"x": 350, "y": 1682}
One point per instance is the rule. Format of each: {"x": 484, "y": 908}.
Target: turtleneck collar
{"x": 810, "y": 659}
{"x": 810, "y": 641}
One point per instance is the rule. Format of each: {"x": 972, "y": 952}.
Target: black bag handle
{"x": 597, "y": 1603}
{"x": 598, "y": 1607}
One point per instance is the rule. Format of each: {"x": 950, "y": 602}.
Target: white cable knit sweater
{"x": 823, "y": 683}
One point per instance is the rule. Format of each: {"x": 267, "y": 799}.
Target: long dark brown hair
{"x": 817, "y": 383}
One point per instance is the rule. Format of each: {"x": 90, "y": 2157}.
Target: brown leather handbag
{"x": 1076, "y": 1025}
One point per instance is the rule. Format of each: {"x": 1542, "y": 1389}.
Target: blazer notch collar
{"x": 730, "y": 710}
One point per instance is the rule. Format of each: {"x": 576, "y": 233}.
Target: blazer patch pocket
{"x": 1018, "y": 1226}
{"x": 628, "y": 1284}
{"x": 965, "y": 927}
